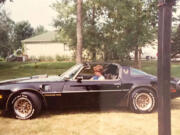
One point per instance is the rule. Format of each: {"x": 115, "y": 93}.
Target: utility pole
{"x": 164, "y": 35}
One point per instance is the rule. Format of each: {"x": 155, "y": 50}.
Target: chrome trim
{"x": 91, "y": 91}
{"x": 77, "y": 73}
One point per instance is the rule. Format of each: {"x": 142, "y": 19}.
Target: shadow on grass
{"x": 83, "y": 110}
{"x": 72, "y": 111}
{"x": 175, "y": 104}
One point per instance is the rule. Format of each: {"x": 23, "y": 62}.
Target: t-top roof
{"x": 50, "y": 36}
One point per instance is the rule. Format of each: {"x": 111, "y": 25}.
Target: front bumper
{"x": 3, "y": 98}
{"x": 176, "y": 93}
{"x": 2, "y": 105}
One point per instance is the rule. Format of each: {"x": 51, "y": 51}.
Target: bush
{"x": 33, "y": 58}
{"x": 45, "y": 58}
{"x": 62, "y": 58}
{"x": 50, "y": 58}
{"x": 1, "y": 59}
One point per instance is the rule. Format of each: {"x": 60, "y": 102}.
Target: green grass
{"x": 111, "y": 121}
{"x": 151, "y": 67}
{"x": 13, "y": 70}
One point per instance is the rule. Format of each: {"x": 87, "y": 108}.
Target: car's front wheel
{"x": 26, "y": 105}
{"x": 143, "y": 100}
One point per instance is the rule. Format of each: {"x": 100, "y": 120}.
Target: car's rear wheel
{"x": 143, "y": 100}
{"x": 26, "y": 105}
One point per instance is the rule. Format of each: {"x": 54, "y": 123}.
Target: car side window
{"x": 111, "y": 72}
{"x": 136, "y": 72}
{"x": 86, "y": 73}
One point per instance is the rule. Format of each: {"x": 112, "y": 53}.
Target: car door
{"x": 94, "y": 93}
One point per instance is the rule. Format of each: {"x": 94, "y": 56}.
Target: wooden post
{"x": 164, "y": 33}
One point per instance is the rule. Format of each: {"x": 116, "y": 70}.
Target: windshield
{"x": 136, "y": 72}
{"x": 71, "y": 72}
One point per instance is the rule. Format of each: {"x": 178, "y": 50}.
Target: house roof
{"x": 50, "y": 36}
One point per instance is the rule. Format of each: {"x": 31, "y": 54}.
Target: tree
{"x": 175, "y": 43}
{"x": 79, "y": 32}
{"x": 22, "y": 31}
{"x": 114, "y": 28}
{"x": 39, "y": 30}
{"x": 6, "y": 30}
{"x": 2, "y": 1}
{"x": 146, "y": 21}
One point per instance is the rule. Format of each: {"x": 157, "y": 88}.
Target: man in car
{"x": 98, "y": 69}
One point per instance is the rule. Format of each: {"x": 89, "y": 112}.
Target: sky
{"x": 37, "y": 12}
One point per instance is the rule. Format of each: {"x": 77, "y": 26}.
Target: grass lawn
{"x": 17, "y": 69}
{"x": 109, "y": 121}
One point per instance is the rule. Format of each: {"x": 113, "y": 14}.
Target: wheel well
{"x": 155, "y": 91}
{"x": 13, "y": 95}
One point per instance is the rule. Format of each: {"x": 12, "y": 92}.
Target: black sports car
{"x": 123, "y": 86}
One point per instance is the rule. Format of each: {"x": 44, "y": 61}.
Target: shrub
{"x": 50, "y": 58}
{"x": 62, "y": 58}
{"x": 1, "y": 59}
{"x": 45, "y": 58}
{"x": 33, "y": 58}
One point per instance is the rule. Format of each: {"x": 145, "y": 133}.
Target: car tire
{"x": 26, "y": 105}
{"x": 143, "y": 100}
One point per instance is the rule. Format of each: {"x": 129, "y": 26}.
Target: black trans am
{"x": 123, "y": 86}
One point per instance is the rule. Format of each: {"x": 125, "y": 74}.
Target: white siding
{"x": 47, "y": 49}
{"x": 150, "y": 51}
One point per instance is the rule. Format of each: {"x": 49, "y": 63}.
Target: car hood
{"x": 37, "y": 78}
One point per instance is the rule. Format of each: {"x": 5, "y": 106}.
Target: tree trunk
{"x": 136, "y": 57}
{"x": 79, "y": 32}
{"x": 93, "y": 28}
{"x": 106, "y": 53}
{"x": 94, "y": 55}
{"x": 139, "y": 63}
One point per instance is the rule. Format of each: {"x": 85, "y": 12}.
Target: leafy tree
{"x": 39, "y": 30}
{"x": 114, "y": 27}
{"x": 22, "y": 31}
{"x": 175, "y": 43}
{"x": 2, "y": 1}
{"x": 6, "y": 30}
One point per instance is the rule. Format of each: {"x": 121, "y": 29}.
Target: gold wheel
{"x": 143, "y": 101}
{"x": 23, "y": 107}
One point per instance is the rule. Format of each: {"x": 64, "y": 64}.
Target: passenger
{"x": 98, "y": 69}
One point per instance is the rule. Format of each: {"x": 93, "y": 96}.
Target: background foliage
{"x": 111, "y": 29}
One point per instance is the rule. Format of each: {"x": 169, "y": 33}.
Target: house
{"x": 46, "y": 45}
{"x": 148, "y": 52}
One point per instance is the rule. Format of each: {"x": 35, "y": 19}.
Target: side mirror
{"x": 79, "y": 79}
